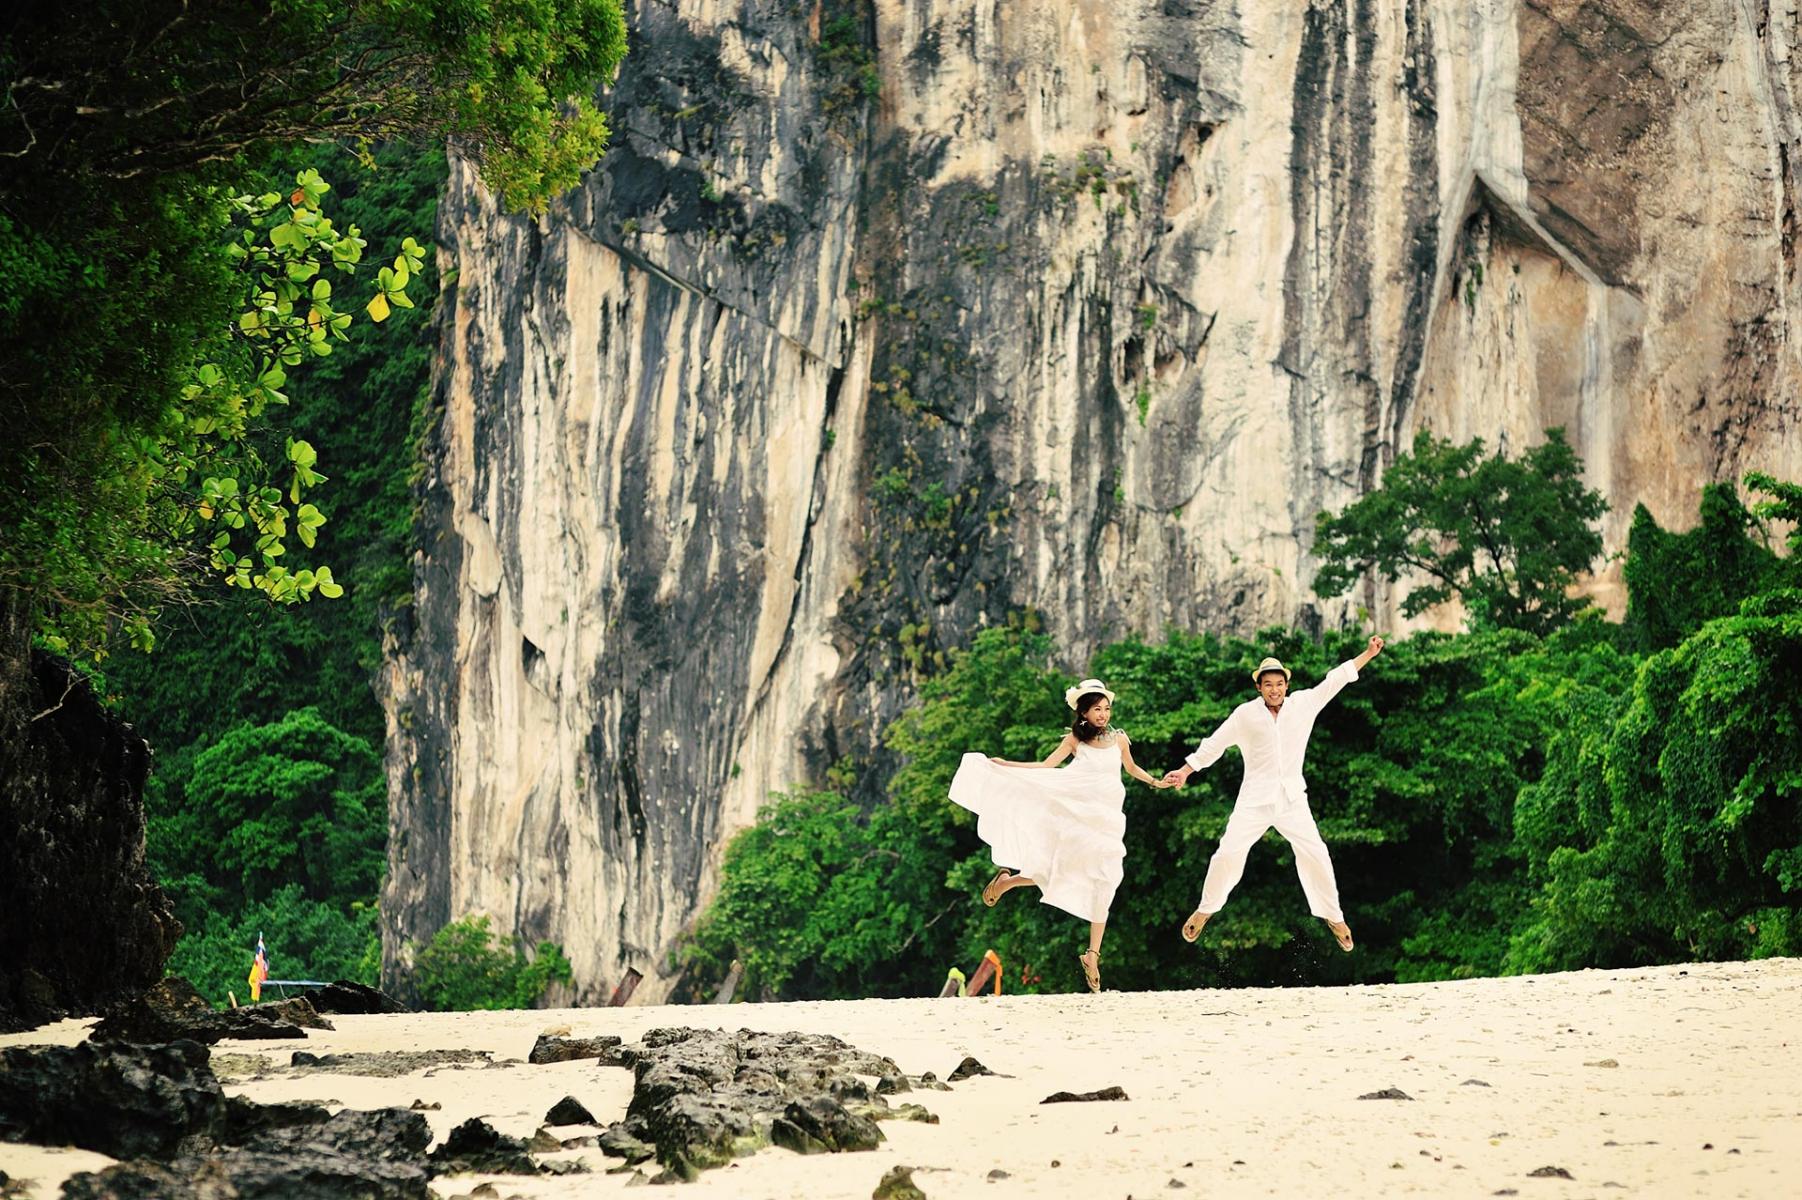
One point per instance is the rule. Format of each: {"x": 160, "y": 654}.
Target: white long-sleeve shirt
{"x": 1274, "y": 747}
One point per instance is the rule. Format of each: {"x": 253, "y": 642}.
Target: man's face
{"x": 1273, "y": 686}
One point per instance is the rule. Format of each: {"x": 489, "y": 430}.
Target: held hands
{"x": 1176, "y": 777}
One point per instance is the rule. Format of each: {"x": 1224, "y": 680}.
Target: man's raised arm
{"x": 1346, "y": 672}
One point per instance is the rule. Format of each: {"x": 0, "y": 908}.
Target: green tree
{"x": 465, "y": 968}
{"x": 296, "y": 802}
{"x": 194, "y": 486}
{"x": 234, "y": 658}
{"x": 122, "y": 228}
{"x": 1507, "y": 537}
{"x": 159, "y": 88}
{"x": 1783, "y": 503}
{"x": 1687, "y": 834}
{"x": 1677, "y": 581}
{"x": 778, "y": 877}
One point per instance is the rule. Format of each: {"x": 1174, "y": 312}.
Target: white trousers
{"x": 1243, "y": 829}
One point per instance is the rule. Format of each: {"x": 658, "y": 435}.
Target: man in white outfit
{"x": 1271, "y": 733}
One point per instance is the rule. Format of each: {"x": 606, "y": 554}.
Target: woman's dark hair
{"x": 1079, "y": 724}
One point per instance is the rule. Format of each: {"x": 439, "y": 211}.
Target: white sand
{"x": 1234, "y": 1093}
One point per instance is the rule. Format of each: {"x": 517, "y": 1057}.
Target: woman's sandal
{"x": 1342, "y": 932}
{"x": 1192, "y": 927}
{"x": 1091, "y": 968}
{"x": 992, "y": 892}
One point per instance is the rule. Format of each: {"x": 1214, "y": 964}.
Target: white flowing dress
{"x": 1063, "y": 828}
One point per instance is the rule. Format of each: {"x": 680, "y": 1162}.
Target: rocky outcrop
{"x": 81, "y": 921}
{"x": 880, "y": 323}
{"x": 702, "y": 1097}
{"x": 174, "y": 1011}
{"x": 161, "y": 1109}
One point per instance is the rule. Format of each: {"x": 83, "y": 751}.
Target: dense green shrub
{"x": 465, "y": 967}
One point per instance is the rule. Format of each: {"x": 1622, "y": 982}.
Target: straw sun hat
{"x": 1269, "y": 664}
{"x": 1072, "y": 695}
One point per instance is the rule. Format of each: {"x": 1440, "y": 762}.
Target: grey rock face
{"x": 1089, "y": 308}
{"x": 82, "y": 923}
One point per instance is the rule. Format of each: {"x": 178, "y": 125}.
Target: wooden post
{"x": 623, "y": 992}
{"x": 733, "y": 974}
{"x": 954, "y": 984}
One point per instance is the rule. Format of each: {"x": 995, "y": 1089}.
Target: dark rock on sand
{"x": 475, "y": 1145}
{"x": 618, "y": 1142}
{"x": 173, "y": 1011}
{"x": 382, "y": 1134}
{"x": 306, "y": 1173}
{"x": 144, "y": 1180}
{"x": 246, "y": 1120}
{"x": 967, "y": 1069}
{"x": 1387, "y": 1093}
{"x": 703, "y": 1097}
{"x": 352, "y": 999}
{"x": 907, "y": 1112}
{"x": 316, "y": 1172}
{"x": 569, "y": 1111}
{"x": 387, "y": 1064}
{"x": 898, "y": 1184}
{"x": 1549, "y": 1173}
{"x": 549, "y": 1049}
{"x": 125, "y": 1101}
{"x": 1108, "y": 1093}
{"x": 821, "y": 1125}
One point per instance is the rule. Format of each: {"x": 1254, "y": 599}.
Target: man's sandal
{"x": 992, "y": 892}
{"x": 1342, "y": 932}
{"x": 1192, "y": 927}
{"x": 1091, "y": 968}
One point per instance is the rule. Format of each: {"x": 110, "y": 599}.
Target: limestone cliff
{"x": 880, "y": 322}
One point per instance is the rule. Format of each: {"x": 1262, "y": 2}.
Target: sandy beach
{"x": 1670, "y": 1081}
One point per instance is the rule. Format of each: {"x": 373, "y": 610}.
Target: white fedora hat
{"x": 1269, "y": 664}
{"x": 1072, "y": 695}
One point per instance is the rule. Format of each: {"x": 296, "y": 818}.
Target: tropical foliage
{"x": 1500, "y": 800}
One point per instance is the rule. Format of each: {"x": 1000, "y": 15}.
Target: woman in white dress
{"x": 1061, "y": 831}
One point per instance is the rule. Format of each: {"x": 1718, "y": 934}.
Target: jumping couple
{"x": 1063, "y": 831}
